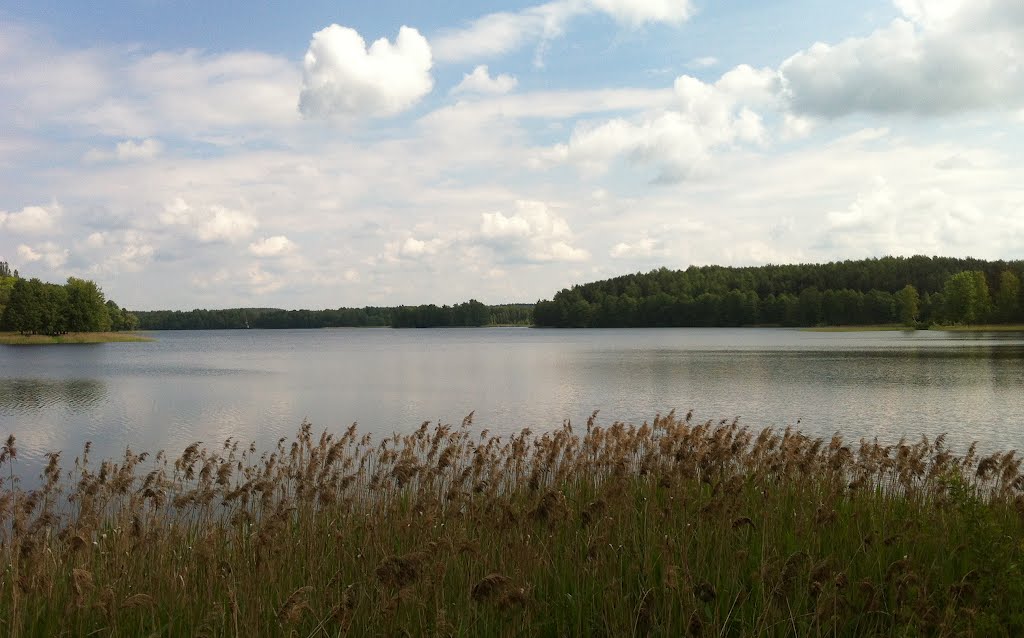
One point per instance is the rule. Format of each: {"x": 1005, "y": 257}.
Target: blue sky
{"x": 188, "y": 154}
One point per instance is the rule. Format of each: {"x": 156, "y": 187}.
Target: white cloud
{"x": 480, "y": 81}
{"x": 48, "y": 253}
{"x": 534, "y": 233}
{"x": 114, "y": 252}
{"x": 127, "y": 151}
{"x": 31, "y": 220}
{"x": 702, "y": 62}
{"x": 210, "y": 223}
{"x": 414, "y": 249}
{"x": 901, "y": 221}
{"x": 343, "y": 78}
{"x": 642, "y": 248}
{"x": 124, "y": 92}
{"x": 263, "y": 282}
{"x": 678, "y": 140}
{"x": 501, "y": 32}
{"x": 639, "y": 12}
{"x": 272, "y": 246}
{"x": 941, "y": 56}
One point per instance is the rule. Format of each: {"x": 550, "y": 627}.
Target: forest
{"x": 914, "y": 291}
{"x": 34, "y": 307}
{"x": 470, "y": 313}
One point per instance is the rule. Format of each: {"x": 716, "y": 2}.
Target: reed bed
{"x": 672, "y": 528}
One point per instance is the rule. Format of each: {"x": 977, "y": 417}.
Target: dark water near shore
{"x": 259, "y": 385}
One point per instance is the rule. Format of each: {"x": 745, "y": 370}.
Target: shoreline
{"x": 17, "y": 339}
{"x": 901, "y": 328}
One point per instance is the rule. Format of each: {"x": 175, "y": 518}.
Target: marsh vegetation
{"x": 670, "y": 528}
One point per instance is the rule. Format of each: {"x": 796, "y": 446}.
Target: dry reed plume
{"x": 671, "y": 528}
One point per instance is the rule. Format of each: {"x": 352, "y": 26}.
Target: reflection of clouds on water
{"x": 259, "y": 385}
{"x": 33, "y": 395}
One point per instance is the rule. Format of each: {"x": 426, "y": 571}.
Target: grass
{"x": 869, "y": 328}
{"x": 18, "y": 339}
{"x": 996, "y": 327}
{"x": 669, "y": 529}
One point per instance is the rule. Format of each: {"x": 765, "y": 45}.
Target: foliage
{"x": 671, "y": 529}
{"x": 471, "y": 313}
{"x": 908, "y": 304}
{"x": 31, "y": 306}
{"x": 872, "y": 291}
{"x": 7, "y": 279}
{"x": 1008, "y": 299}
{"x": 967, "y": 298}
{"x": 18, "y": 339}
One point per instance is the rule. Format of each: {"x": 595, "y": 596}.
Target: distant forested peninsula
{"x": 914, "y": 291}
{"x": 467, "y": 314}
{"x": 34, "y": 307}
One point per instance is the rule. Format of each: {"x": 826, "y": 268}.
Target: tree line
{"x": 31, "y": 306}
{"x": 913, "y": 291}
{"x": 470, "y": 313}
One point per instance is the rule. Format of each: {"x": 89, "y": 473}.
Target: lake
{"x": 258, "y": 385}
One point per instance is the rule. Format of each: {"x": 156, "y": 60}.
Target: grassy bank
{"x": 995, "y": 327}
{"x": 670, "y": 530}
{"x": 18, "y": 339}
{"x": 872, "y": 328}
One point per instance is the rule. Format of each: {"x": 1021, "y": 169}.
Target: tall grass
{"x": 674, "y": 528}
{"x": 18, "y": 339}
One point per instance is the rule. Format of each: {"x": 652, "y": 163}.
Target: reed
{"x": 17, "y": 339}
{"x": 670, "y": 528}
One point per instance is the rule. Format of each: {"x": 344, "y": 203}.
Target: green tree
{"x": 86, "y": 307}
{"x": 908, "y": 305}
{"x": 966, "y": 297}
{"x": 121, "y": 319}
{"x": 810, "y": 306}
{"x": 53, "y": 315}
{"x": 24, "y": 306}
{"x": 1008, "y": 297}
{"x": 6, "y": 286}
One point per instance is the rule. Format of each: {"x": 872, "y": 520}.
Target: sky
{"x": 324, "y": 154}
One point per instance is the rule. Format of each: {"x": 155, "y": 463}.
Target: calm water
{"x": 259, "y": 385}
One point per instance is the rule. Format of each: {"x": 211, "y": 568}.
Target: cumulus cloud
{"x": 534, "y": 233}
{"x": 48, "y": 253}
{"x": 506, "y": 31}
{"x": 211, "y": 223}
{"x": 642, "y": 248}
{"x": 413, "y": 248}
{"x": 127, "y": 151}
{"x": 112, "y": 252}
{"x": 342, "y": 77}
{"x": 940, "y": 56}
{"x": 272, "y": 246}
{"x": 480, "y": 81}
{"x": 120, "y": 92}
{"x": 31, "y": 220}
{"x": 263, "y": 282}
{"x": 679, "y": 139}
{"x": 891, "y": 220}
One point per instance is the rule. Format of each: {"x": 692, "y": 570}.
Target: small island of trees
{"x": 33, "y": 307}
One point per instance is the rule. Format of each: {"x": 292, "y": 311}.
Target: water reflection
{"x": 32, "y": 395}
{"x": 259, "y": 385}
